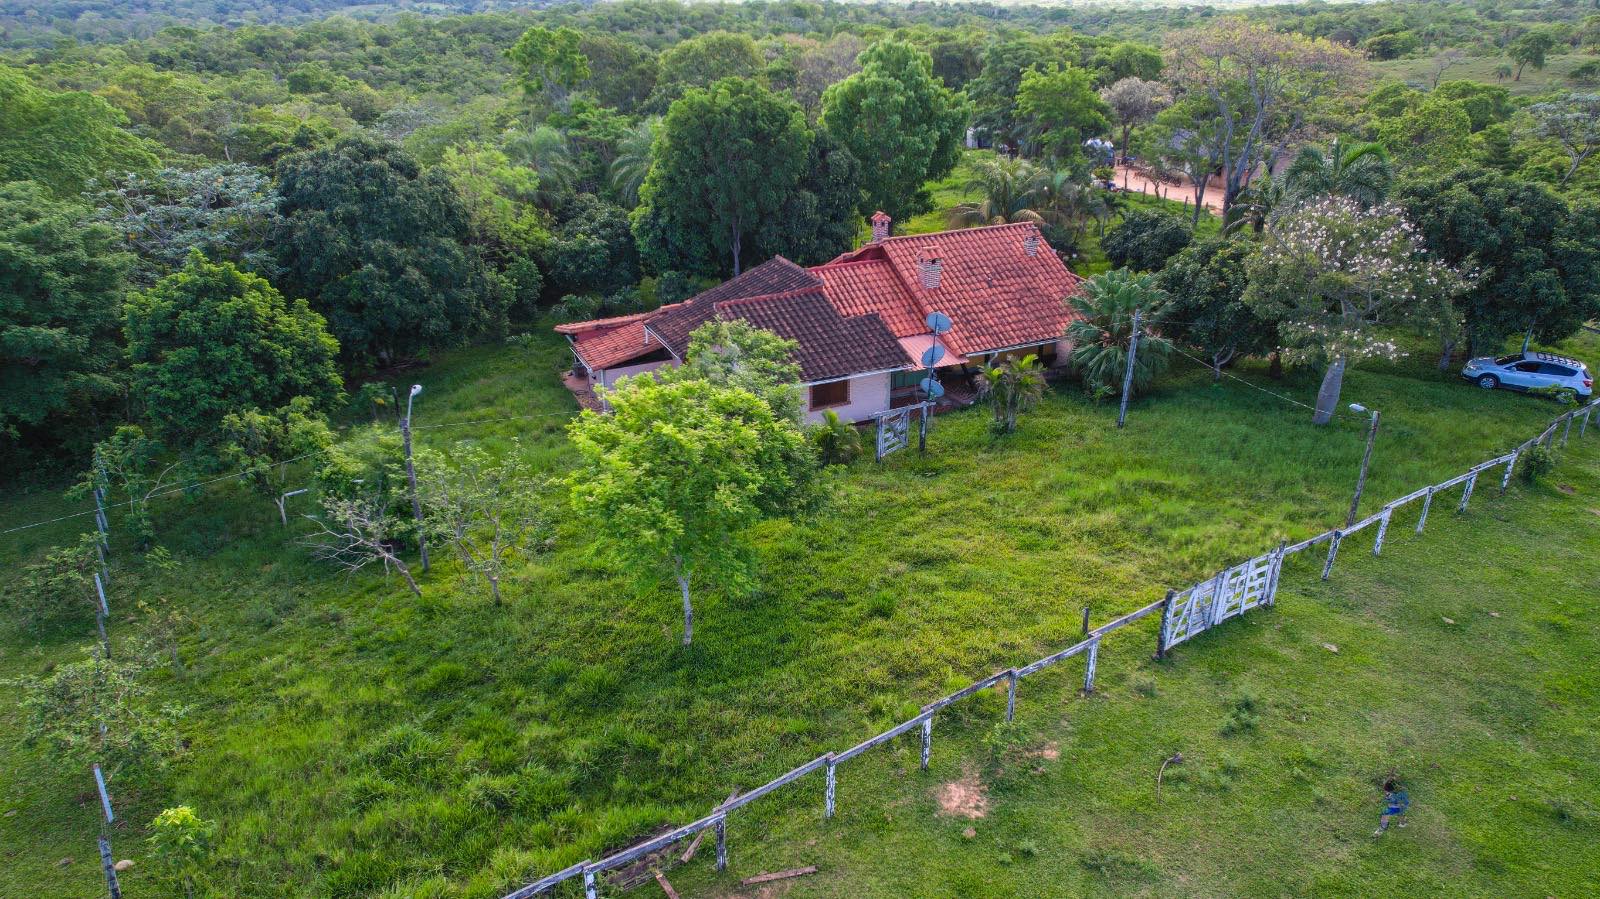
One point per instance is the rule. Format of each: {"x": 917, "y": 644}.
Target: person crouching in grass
{"x": 1395, "y": 804}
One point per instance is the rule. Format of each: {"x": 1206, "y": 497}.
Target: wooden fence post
{"x": 1333, "y": 551}
{"x": 1427, "y": 503}
{"x": 1383, "y": 528}
{"x": 1505, "y": 479}
{"x": 1011, "y": 695}
{"x": 1219, "y": 598}
{"x": 1161, "y": 626}
{"x": 722, "y": 844}
{"x": 110, "y": 868}
{"x": 1466, "y": 494}
{"x": 828, "y": 795}
{"x": 1088, "y": 671}
{"x": 589, "y": 888}
{"x": 1567, "y": 431}
{"x": 1585, "y": 425}
{"x": 1275, "y": 572}
{"x": 927, "y": 740}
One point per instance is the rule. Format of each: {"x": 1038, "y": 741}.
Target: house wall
{"x": 609, "y": 377}
{"x": 869, "y": 395}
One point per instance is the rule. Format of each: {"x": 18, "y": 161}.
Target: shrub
{"x": 577, "y": 307}
{"x": 1146, "y": 240}
{"x": 1537, "y": 462}
{"x": 836, "y": 440}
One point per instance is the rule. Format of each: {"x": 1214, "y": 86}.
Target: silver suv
{"x": 1530, "y": 371}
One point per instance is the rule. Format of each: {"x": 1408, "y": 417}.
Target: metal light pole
{"x": 411, "y": 475}
{"x": 1366, "y": 460}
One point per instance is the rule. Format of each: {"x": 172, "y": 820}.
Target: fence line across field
{"x": 1184, "y": 615}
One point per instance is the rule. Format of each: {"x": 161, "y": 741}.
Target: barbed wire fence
{"x": 1184, "y": 614}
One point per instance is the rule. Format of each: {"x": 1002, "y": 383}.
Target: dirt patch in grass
{"x": 1049, "y": 752}
{"x": 964, "y": 798}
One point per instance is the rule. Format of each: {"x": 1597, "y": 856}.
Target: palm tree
{"x": 1104, "y": 309}
{"x": 1007, "y": 187}
{"x": 1257, "y": 204}
{"x": 545, "y": 150}
{"x": 1358, "y": 171}
{"x": 633, "y": 160}
{"x": 1065, "y": 200}
{"x": 1013, "y": 385}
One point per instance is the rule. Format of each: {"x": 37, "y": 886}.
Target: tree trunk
{"x": 1275, "y": 365}
{"x": 688, "y": 608}
{"x": 1328, "y": 395}
{"x": 406, "y": 573}
{"x": 1446, "y": 353}
{"x": 494, "y": 587}
{"x": 734, "y": 240}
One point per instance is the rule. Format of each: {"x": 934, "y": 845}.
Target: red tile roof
{"x": 831, "y": 345}
{"x": 996, "y": 294}
{"x": 846, "y": 314}
{"x": 873, "y": 286}
{"x": 776, "y": 275}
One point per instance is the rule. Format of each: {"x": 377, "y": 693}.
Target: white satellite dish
{"x": 939, "y": 323}
{"x": 932, "y": 355}
{"x": 932, "y": 388}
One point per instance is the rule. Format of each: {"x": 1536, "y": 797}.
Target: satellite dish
{"x": 939, "y": 323}
{"x": 932, "y": 355}
{"x": 932, "y": 388}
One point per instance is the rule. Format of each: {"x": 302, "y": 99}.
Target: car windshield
{"x": 1507, "y": 360}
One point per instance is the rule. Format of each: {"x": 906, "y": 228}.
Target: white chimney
{"x": 880, "y": 226}
{"x": 1030, "y": 244}
{"x": 929, "y": 268}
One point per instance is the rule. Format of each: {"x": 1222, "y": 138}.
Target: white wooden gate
{"x": 1229, "y": 594}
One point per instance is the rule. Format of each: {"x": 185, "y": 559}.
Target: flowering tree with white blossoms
{"x": 1336, "y": 276}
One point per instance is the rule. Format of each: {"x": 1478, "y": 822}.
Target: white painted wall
{"x": 869, "y": 395}
{"x": 609, "y": 377}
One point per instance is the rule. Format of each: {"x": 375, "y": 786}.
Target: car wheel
{"x": 1488, "y": 382}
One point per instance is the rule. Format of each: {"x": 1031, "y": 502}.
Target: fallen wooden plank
{"x": 695, "y": 843}
{"x": 778, "y": 875}
{"x": 665, "y": 886}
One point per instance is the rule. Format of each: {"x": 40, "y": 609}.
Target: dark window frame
{"x": 842, "y": 386}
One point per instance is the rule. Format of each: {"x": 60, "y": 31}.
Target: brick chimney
{"x": 929, "y": 268}
{"x": 880, "y": 226}
{"x": 1030, "y": 244}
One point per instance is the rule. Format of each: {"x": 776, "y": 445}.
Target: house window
{"x": 905, "y": 379}
{"x": 834, "y": 393}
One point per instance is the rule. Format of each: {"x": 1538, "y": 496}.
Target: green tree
{"x": 211, "y": 340}
{"x": 632, "y": 163}
{"x": 1133, "y": 101}
{"x": 1006, "y": 189}
{"x": 1530, "y": 49}
{"x": 1538, "y": 259}
{"x": 499, "y": 198}
{"x": 489, "y": 510}
{"x": 258, "y": 442}
{"x": 818, "y": 219}
{"x": 726, "y": 160}
{"x": 1205, "y": 305}
{"x": 61, "y": 286}
{"x": 1358, "y": 171}
{"x": 225, "y": 211}
{"x": 593, "y": 250}
{"x": 1335, "y": 275}
{"x": 837, "y": 441}
{"x": 622, "y": 73}
{"x": 380, "y": 249}
{"x": 1434, "y": 134}
{"x": 550, "y": 62}
{"x": 678, "y": 472}
{"x": 62, "y": 140}
{"x": 1144, "y": 241}
{"x": 1104, "y": 325}
{"x": 735, "y": 353}
{"x": 1058, "y": 109}
{"x": 703, "y": 61}
{"x": 900, "y": 123}
{"x": 98, "y": 711}
{"x": 182, "y": 841}
{"x": 1573, "y": 122}
{"x": 1485, "y": 104}
{"x": 1128, "y": 59}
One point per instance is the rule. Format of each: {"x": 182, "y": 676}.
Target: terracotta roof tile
{"x": 613, "y": 344}
{"x": 831, "y": 345}
{"x": 996, "y": 294}
{"x": 776, "y": 275}
{"x": 873, "y": 286}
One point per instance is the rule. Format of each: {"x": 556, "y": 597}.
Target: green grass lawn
{"x": 1553, "y": 77}
{"x": 355, "y": 741}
